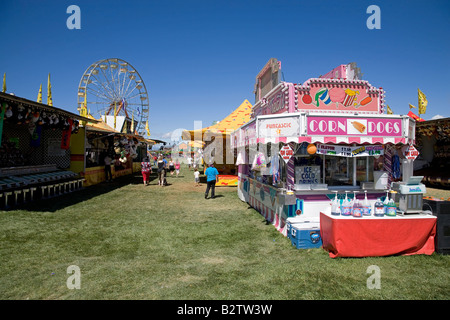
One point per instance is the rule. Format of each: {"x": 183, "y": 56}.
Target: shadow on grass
{"x": 216, "y": 196}
{"x": 66, "y": 200}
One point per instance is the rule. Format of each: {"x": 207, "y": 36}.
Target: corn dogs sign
{"x": 334, "y": 126}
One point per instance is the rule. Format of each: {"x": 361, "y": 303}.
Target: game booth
{"x": 433, "y": 142}
{"x": 215, "y": 142}
{"x": 328, "y": 168}
{"x": 39, "y": 153}
{"x": 125, "y": 149}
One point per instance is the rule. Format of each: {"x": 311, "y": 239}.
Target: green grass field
{"x": 132, "y": 241}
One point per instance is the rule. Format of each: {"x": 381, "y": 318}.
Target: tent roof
{"x": 99, "y": 125}
{"x": 10, "y": 98}
{"x": 233, "y": 121}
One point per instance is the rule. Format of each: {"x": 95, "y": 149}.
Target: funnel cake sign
{"x": 339, "y": 96}
{"x": 336, "y": 126}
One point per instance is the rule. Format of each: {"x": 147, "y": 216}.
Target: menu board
{"x": 307, "y": 174}
{"x": 350, "y": 151}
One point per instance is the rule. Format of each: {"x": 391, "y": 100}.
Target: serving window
{"x": 338, "y": 171}
{"x": 335, "y": 170}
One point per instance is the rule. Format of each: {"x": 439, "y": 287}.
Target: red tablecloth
{"x": 374, "y": 237}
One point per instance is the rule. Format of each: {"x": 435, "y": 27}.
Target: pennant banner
{"x": 49, "y": 92}
{"x": 39, "y": 97}
{"x": 423, "y": 102}
{"x": 147, "y": 128}
{"x": 389, "y": 110}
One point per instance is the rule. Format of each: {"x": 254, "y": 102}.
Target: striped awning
{"x": 324, "y": 139}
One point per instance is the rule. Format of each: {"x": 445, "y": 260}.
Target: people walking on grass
{"x": 177, "y": 167}
{"x": 161, "y": 171}
{"x": 211, "y": 179}
{"x": 146, "y": 169}
{"x": 171, "y": 167}
{"x": 197, "y": 177}
{"x": 189, "y": 161}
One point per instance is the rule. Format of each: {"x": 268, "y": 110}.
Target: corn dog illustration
{"x": 365, "y": 101}
{"x": 359, "y": 126}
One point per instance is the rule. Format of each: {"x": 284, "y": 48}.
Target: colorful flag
{"x": 4, "y": 82}
{"x": 132, "y": 123}
{"x": 415, "y": 117}
{"x": 147, "y": 128}
{"x": 39, "y": 98}
{"x": 389, "y": 110}
{"x": 115, "y": 111}
{"x": 423, "y": 102}
{"x": 411, "y": 106}
{"x": 49, "y": 92}
{"x": 83, "y": 109}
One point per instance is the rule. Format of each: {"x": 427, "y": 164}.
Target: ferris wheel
{"x": 113, "y": 88}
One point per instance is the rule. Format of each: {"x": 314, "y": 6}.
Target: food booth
{"x": 309, "y": 144}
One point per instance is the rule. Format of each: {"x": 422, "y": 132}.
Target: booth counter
{"x": 376, "y": 237}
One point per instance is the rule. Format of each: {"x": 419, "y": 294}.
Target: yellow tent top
{"x": 233, "y": 121}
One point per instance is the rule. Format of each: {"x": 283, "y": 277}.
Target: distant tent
{"x": 233, "y": 121}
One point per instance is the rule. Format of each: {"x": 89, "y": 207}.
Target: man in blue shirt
{"x": 211, "y": 178}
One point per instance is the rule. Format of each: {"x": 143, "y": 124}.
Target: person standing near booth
{"x": 146, "y": 169}
{"x": 108, "y": 174}
{"x": 211, "y": 178}
{"x": 161, "y": 171}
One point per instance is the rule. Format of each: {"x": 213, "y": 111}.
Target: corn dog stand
{"x": 327, "y": 138}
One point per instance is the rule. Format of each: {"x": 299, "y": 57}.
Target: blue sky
{"x": 199, "y": 59}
